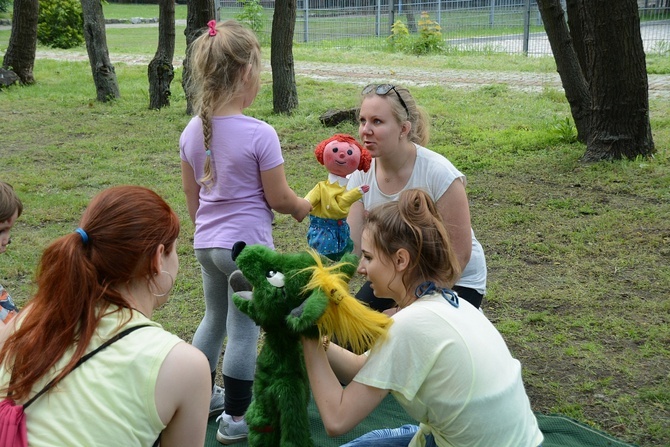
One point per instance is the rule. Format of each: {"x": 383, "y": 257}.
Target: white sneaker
{"x": 217, "y": 401}
{"x": 229, "y": 431}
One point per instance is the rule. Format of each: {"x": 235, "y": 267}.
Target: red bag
{"x": 13, "y": 431}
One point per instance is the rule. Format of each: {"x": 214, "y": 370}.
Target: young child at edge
{"x": 233, "y": 178}
{"x": 10, "y": 210}
{"x": 442, "y": 359}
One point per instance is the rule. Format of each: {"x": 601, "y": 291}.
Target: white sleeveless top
{"x": 434, "y": 174}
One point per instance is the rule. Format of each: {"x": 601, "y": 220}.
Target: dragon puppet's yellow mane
{"x": 346, "y": 319}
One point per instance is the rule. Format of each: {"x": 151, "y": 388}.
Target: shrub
{"x": 565, "y": 131}
{"x": 428, "y": 40}
{"x": 252, "y": 15}
{"x": 60, "y": 23}
{"x": 430, "y": 36}
{"x": 4, "y": 5}
{"x": 399, "y": 38}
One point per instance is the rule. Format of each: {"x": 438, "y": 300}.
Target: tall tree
{"x": 161, "y": 69}
{"x": 601, "y": 61}
{"x": 284, "y": 90}
{"x": 104, "y": 76}
{"x": 198, "y": 13}
{"x": 20, "y": 55}
{"x": 568, "y": 64}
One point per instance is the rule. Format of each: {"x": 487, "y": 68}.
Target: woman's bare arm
{"x": 183, "y": 391}
{"x": 341, "y": 409}
{"x": 356, "y": 219}
{"x": 454, "y": 208}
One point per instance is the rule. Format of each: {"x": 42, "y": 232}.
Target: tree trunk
{"x": 199, "y": 12}
{"x": 619, "y": 87}
{"x": 575, "y": 10}
{"x": 409, "y": 8}
{"x": 567, "y": 63}
{"x": 284, "y": 90}
{"x": 20, "y": 55}
{"x": 161, "y": 70}
{"x": 104, "y": 76}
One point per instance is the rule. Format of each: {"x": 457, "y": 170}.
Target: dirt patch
{"x": 659, "y": 85}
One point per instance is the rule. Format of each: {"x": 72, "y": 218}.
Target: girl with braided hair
{"x": 233, "y": 178}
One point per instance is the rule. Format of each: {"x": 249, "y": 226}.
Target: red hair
{"x": 76, "y": 280}
{"x": 366, "y": 158}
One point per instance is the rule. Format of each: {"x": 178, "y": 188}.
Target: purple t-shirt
{"x": 234, "y": 209}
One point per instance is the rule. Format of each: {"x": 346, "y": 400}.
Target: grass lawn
{"x": 578, "y": 254}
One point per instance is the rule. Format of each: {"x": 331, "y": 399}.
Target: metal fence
{"x": 510, "y": 26}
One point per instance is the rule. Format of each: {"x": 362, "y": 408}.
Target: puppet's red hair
{"x": 366, "y": 158}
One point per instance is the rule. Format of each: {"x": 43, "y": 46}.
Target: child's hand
{"x": 302, "y": 210}
{"x": 365, "y": 188}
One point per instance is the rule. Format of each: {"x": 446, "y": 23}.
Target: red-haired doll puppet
{"x": 328, "y": 230}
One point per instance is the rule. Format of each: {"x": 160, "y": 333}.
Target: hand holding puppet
{"x": 294, "y": 295}
{"x": 328, "y": 230}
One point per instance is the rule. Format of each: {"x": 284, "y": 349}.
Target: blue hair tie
{"x": 82, "y": 233}
{"x": 208, "y": 152}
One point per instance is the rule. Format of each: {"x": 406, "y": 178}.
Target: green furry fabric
{"x": 277, "y": 416}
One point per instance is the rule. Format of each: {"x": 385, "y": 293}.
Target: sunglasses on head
{"x": 383, "y": 90}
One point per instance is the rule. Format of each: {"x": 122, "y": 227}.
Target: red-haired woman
{"x": 107, "y": 276}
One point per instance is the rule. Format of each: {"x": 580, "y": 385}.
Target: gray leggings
{"x": 222, "y": 316}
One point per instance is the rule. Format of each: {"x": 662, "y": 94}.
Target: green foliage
{"x": 565, "y": 130}
{"x": 430, "y": 36}
{"x": 252, "y": 15}
{"x": 60, "y": 23}
{"x": 399, "y": 38}
{"x": 658, "y": 59}
{"x": 428, "y": 41}
{"x": 4, "y": 5}
{"x": 129, "y": 10}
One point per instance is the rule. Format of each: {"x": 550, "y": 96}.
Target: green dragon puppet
{"x": 293, "y": 295}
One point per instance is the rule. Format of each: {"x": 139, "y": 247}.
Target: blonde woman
{"x": 395, "y": 130}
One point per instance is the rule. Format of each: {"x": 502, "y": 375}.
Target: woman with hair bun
{"x": 442, "y": 359}
{"x": 105, "y": 278}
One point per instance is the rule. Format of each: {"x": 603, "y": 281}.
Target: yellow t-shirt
{"x": 452, "y": 371}
{"x": 110, "y": 399}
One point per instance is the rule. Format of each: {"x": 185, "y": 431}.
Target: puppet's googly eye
{"x": 275, "y": 278}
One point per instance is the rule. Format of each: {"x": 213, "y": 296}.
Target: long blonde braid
{"x": 206, "y": 118}
{"x": 219, "y": 61}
